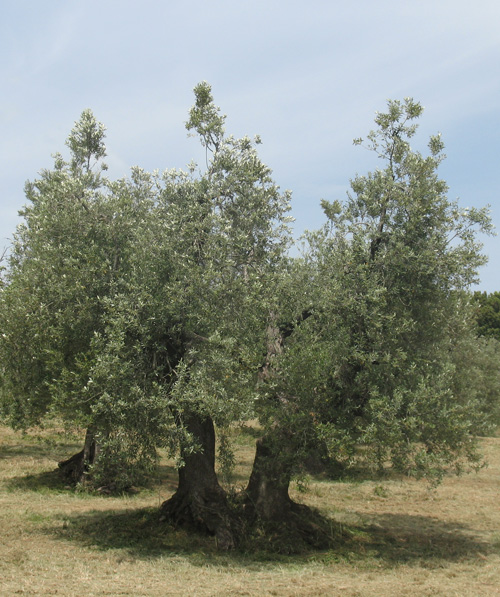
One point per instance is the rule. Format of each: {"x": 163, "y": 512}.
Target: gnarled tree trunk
{"x": 76, "y": 468}
{"x": 267, "y": 491}
{"x": 200, "y": 502}
{"x": 267, "y": 496}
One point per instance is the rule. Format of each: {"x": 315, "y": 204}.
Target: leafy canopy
{"x": 378, "y": 360}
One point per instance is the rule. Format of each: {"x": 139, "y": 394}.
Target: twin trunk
{"x": 201, "y": 504}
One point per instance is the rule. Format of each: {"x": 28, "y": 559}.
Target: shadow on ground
{"x": 400, "y": 538}
{"x": 385, "y": 540}
{"x": 44, "y": 482}
{"x": 52, "y": 480}
{"x": 38, "y": 450}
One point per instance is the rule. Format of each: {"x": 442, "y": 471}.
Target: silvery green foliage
{"x": 128, "y": 303}
{"x": 187, "y": 332}
{"x": 376, "y": 370}
{"x": 61, "y": 262}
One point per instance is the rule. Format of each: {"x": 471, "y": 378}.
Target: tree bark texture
{"x": 267, "y": 499}
{"x": 267, "y": 491}
{"x": 200, "y": 503}
{"x": 267, "y": 495}
{"x": 76, "y": 468}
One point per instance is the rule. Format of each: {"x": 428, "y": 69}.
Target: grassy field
{"x": 396, "y": 537}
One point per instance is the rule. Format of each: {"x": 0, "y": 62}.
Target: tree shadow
{"x": 386, "y": 540}
{"x": 39, "y": 450}
{"x": 394, "y": 539}
{"x": 43, "y": 482}
{"x": 53, "y": 481}
{"x": 137, "y": 532}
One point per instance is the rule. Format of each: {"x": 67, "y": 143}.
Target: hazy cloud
{"x": 306, "y": 77}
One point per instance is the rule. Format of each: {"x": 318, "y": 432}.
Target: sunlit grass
{"x": 389, "y": 537}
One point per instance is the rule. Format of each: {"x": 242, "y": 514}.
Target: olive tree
{"x": 368, "y": 357}
{"x": 183, "y": 333}
{"x": 67, "y": 254}
{"x": 137, "y": 308}
{"x": 157, "y": 310}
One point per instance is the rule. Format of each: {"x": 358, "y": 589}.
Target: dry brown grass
{"x": 400, "y": 538}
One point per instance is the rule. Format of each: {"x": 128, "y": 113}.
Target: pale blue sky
{"x": 306, "y": 76}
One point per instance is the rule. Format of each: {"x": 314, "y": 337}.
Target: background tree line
{"x": 159, "y": 310}
{"x": 488, "y": 314}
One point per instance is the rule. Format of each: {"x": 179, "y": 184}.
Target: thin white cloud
{"x": 307, "y": 77}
